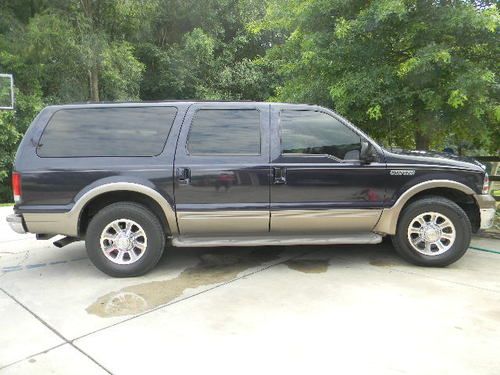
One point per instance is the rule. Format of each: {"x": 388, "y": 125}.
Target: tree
{"x": 203, "y": 50}
{"x": 419, "y": 69}
{"x": 50, "y": 49}
{"x": 64, "y": 51}
{"x": 102, "y": 29}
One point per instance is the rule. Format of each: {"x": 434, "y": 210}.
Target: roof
{"x": 161, "y": 102}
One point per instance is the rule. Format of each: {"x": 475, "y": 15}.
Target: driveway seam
{"x": 66, "y": 341}
{"x": 194, "y": 295}
{"x": 33, "y": 355}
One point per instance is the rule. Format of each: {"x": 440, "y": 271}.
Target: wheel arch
{"x": 90, "y": 202}
{"x": 457, "y": 192}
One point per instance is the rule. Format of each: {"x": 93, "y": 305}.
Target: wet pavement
{"x": 303, "y": 309}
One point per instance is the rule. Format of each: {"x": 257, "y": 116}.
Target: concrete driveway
{"x": 265, "y": 310}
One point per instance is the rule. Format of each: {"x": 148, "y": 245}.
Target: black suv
{"x": 131, "y": 178}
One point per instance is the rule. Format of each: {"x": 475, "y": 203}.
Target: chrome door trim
{"x": 277, "y": 240}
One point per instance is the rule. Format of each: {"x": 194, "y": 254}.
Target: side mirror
{"x": 366, "y": 154}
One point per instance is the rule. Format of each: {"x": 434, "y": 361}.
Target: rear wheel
{"x": 125, "y": 239}
{"x": 432, "y": 231}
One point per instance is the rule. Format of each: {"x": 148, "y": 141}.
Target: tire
{"x": 131, "y": 252}
{"x": 429, "y": 210}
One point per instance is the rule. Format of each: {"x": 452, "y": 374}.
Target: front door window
{"x": 317, "y": 133}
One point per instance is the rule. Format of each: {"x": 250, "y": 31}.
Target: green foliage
{"x": 51, "y": 51}
{"x": 410, "y": 72}
{"x": 63, "y": 51}
{"x": 411, "y": 68}
{"x": 121, "y": 72}
{"x": 216, "y": 57}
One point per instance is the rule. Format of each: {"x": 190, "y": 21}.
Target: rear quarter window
{"x": 112, "y": 131}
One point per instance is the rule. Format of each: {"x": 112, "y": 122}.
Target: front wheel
{"x": 125, "y": 239}
{"x": 433, "y": 232}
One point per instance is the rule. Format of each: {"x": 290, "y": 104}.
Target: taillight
{"x": 16, "y": 186}
{"x": 486, "y": 184}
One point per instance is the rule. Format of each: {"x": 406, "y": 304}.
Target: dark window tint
{"x": 225, "y": 131}
{"x": 140, "y": 131}
{"x": 311, "y": 132}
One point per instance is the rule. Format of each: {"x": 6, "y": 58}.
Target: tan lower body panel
{"x": 328, "y": 221}
{"x": 286, "y": 221}
{"x": 223, "y": 222}
{"x": 236, "y": 222}
{"x": 52, "y": 223}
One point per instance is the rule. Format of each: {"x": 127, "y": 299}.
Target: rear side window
{"x": 139, "y": 131}
{"x": 225, "y": 131}
{"x": 317, "y": 133}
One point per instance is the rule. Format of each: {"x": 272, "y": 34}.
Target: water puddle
{"x": 382, "y": 263}
{"x": 308, "y": 265}
{"x": 213, "y": 268}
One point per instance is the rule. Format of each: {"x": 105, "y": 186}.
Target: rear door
{"x": 222, "y": 170}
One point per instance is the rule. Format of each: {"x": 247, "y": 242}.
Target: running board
{"x": 338, "y": 239}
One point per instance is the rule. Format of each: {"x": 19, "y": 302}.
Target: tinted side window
{"x": 139, "y": 131}
{"x": 225, "y": 131}
{"x": 311, "y": 132}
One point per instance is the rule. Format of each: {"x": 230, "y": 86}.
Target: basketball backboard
{"x": 6, "y": 91}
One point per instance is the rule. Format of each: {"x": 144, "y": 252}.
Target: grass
{"x": 6, "y": 204}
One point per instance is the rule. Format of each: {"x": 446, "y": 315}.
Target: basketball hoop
{"x": 6, "y": 91}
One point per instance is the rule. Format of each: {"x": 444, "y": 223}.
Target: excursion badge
{"x": 402, "y": 172}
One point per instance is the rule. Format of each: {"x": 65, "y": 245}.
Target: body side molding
{"x": 389, "y": 219}
{"x": 278, "y": 240}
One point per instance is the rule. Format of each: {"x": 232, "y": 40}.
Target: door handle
{"x": 279, "y": 176}
{"x": 183, "y": 176}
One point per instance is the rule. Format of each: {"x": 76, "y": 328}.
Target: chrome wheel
{"x": 431, "y": 233}
{"x": 123, "y": 241}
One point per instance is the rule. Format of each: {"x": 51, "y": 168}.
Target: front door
{"x": 319, "y": 184}
{"x": 222, "y": 170}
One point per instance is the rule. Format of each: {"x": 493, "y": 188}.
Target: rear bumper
{"x": 16, "y": 223}
{"x": 487, "y": 209}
